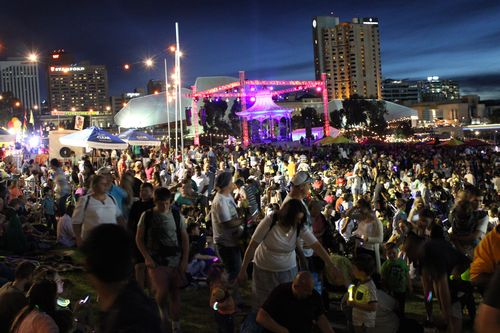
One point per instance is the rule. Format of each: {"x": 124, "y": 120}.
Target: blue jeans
{"x": 231, "y": 258}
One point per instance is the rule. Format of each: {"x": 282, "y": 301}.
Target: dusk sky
{"x": 455, "y": 39}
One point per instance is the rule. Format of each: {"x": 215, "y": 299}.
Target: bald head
{"x": 303, "y": 285}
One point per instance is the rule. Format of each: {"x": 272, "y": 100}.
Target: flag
{"x": 32, "y": 119}
{"x": 25, "y": 120}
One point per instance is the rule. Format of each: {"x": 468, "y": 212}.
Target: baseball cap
{"x": 300, "y": 178}
{"x": 104, "y": 170}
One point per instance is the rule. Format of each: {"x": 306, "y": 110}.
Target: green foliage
{"x": 360, "y": 111}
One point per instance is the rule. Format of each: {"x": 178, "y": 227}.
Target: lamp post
{"x": 179, "y": 85}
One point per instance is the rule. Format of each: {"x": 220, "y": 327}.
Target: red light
{"x": 55, "y": 56}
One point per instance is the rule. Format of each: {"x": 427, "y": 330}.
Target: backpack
{"x": 165, "y": 251}
{"x": 87, "y": 203}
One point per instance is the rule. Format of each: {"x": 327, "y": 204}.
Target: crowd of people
{"x": 361, "y": 227}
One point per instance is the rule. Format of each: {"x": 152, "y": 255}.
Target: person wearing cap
{"x": 300, "y": 188}
{"x": 226, "y": 224}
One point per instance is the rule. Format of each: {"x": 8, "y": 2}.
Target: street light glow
{"x": 33, "y": 57}
{"x": 149, "y": 62}
{"x": 126, "y": 67}
{"x": 172, "y": 48}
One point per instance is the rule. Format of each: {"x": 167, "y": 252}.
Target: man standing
{"x": 12, "y": 295}
{"x": 94, "y": 209}
{"x": 62, "y": 189}
{"x": 294, "y": 307}
{"x": 146, "y": 202}
{"x": 163, "y": 241}
{"x": 226, "y": 225}
{"x": 202, "y": 183}
{"x": 108, "y": 262}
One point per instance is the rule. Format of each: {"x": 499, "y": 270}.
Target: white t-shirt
{"x": 276, "y": 250}
{"x": 223, "y": 210}
{"x": 201, "y": 181}
{"x": 308, "y": 252}
{"x": 96, "y": 213}
{"x": 65, "y": 234}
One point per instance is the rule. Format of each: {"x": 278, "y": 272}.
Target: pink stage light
{"x": 252, "y": 99}
{"x": 318, "y": 89}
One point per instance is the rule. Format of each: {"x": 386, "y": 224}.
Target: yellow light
{"x": 108, "y": 108}
{"x": 149, "y": 62}
{"x": 172, "y": 48}
{"x": 73, "y": 109}
{"x": 1, "y": 97}
{"x": 91, "y": 110}
{"x": 126, "y": 66}
{"x": 18, "y": 104}
{"x": 181, "y": 54}
{"x": 124, "y": 104}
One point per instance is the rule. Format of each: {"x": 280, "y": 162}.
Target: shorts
{"x": 263, "y": 283}
{"x": 166, "y": 279}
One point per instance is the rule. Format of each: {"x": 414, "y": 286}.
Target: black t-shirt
{"x": 492, "y": 297}
{"x": 296, "y": 315}
{"x": 136, "y": 211}
{"x": 439, "y": 257}
{"x": 132, "y": 312}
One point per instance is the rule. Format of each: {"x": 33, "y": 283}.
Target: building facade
{"x": 466, "y": 110}
{"x": 435, "y": 89}
{"x": 349, "y": 54}
{"x": 76, "y": 86}
{"x": 155, "y": 86}
{"x": 21, "y": 78}
{"x": 403, "y": 92}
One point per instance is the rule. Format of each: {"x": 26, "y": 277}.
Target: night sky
{"x": 455, "y": 39}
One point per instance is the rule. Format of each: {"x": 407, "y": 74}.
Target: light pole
{"x": 179, "y": 85}
{"x": 166, "y": 102}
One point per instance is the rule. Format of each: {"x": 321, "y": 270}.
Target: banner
{"x": 79, "y": 122}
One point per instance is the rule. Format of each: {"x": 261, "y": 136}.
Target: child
{"x": 221, "y": 300}
{"x": 363, "y": 295}
{"x": 395, "y": 276}
{"x": 48, "y": 206}
{"x": 65, "y": 234}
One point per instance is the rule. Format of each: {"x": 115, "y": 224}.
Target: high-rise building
{"x": 21, "y": 78}
{"x": 435, "y": 89}
{"x": 349, "y": 54}
{"x": 119, "y": 102}
{"x": 155, "y": 86}
{"x": 76, "y": 86}
{"x": 404, "y": 92}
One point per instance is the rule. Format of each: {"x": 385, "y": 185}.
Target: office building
{"x": 349, "y": 53}
{"x": 119, "y": 102}
{"x": 435, "y": 89}
{"x": 77, "y": 86}
{"x": 155, "y": 86}
{"x": 21, "y": 79}
{"x": 403, "y": 92}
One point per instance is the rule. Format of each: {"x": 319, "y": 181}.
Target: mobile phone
{"x": 84, "y": 300}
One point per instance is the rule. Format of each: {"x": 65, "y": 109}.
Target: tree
{"x": 404, "y": 130}
{"x": 369, "y": 113}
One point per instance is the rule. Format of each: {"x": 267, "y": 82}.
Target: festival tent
{"x": 341, "y": 139}
{"x": 93, "y": 137}
{"x": 451, "y": 143}
{"x": 370, "y": 141}
{"x": 6, "y": 138}
{"x": 326, "y": 141}
{"x": 135, "y": 138}
{"x": 476, "y": 143}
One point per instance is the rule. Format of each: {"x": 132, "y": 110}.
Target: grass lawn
{"x": 197, "y": 317}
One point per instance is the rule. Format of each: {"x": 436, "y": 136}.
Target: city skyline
{"x": 453, "y": 39}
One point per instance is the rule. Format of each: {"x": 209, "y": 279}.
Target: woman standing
{"x": 272, "y": 249}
